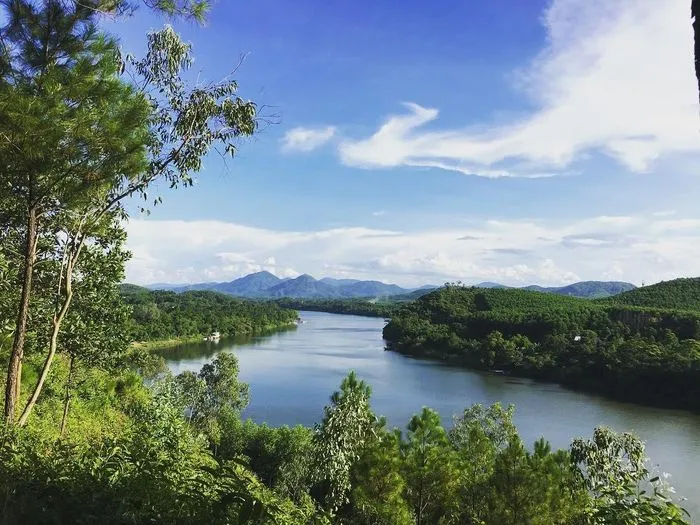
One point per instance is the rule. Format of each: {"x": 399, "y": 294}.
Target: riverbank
{"x": 361, "y": 307}
{"x": 290, "y": 375}
{"x": 174, "y": 342}
{"x": 638, "y": 390}
{"x": 627, "y": 353}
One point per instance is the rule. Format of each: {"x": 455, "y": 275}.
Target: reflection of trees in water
{"x": 205, "y": 349}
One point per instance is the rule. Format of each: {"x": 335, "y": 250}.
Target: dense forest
{"x": 343, "y": 306}
{"x": 160, "y": 315}
{"x": 678, "y": 294}
{"x": 94, "y": 431}
{"x": 642, "y": 354}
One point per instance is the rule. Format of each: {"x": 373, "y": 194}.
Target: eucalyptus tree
{"x": 125, "y": 137}
{"x": 614, "y": 469}
{"x": 95, "y": 333}
{"x": 347, "y": 428}
{"x": 69, "y": 127}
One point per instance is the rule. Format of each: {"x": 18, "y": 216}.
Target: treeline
{"x": 647, "y": 355}
{"x": 179, "y": 452}
{"x": 678, "y": 294}
{"x": 159, "y": 315}
{"x": 342, "y": 306}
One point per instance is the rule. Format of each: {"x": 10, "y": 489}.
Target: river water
{"x": 293, "y": 373}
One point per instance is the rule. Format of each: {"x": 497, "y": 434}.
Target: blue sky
{"x": 516, "y": 141}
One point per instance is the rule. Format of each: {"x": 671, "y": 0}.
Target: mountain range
{"x": 264, "y": 285}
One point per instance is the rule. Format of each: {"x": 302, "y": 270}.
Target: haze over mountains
{"x": 265, "y": 285}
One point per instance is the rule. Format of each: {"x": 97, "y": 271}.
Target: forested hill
{"x": 679, "y": 294}
{"x": 587, "y": 289}
{"x": 160, "y": 315}
{"x": 648, "y": 355}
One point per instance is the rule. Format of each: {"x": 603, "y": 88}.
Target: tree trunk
{"x": 66, "y": 399}
{"x": 14, "y": 369}
{"x": 53, "y": 345}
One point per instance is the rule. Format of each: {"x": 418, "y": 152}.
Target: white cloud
{"x": 615, "y": 76}
{"x": 379, "y": 213}
{"x": 306, "y": 139}
{"x": 632, "y": 248}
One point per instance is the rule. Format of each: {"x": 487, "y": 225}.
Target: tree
{"x": 214, "y": 392}
{"x": 184, "y": 124}
{"x": 430, "y": 468}
{"x": 339, "y": 439}
{"x": 613, "y": 468}
{"x": 69, "y": 126}
{"x": 378, "y": 485}
{"x": 95, "y": 334}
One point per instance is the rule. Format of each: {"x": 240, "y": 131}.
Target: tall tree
{"x": 430, "y": 466}
{"x": 69, "y": 126}
{"x": 184, "y": 124}
{"x": 95, "y": 333}
{"x": 346, "y": 428}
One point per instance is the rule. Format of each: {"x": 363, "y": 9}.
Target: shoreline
{"x": 174, "y": 342}
{"x": 600, "y": 388}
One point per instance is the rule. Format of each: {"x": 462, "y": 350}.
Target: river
{"x": 293, "y": 373}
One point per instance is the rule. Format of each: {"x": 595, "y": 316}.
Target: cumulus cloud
{"x": 306, "y": 139}
{"x": 614, "y": 77}
{"x": 509, "y": 251}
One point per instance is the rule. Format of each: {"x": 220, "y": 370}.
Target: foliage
{"x": 342, "y": 306}
{"x": 677, "y": 294}
{"x": 215, "y": 390}
{"x": 650, "y": 355}
{"x": 614, "y": 469}
{"x": 166, "y": 315}
{"x": 156, "y": 470}
{"x": 338, "y": 441}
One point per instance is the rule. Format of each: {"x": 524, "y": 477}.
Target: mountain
{"x": 253, "y": 285}
{"x": 338, "y": 282}
{"x": 595, "y": 289}
{"x": 304, "y": 287}
{"x": 264, "y": 285}
{"x": 372, "y": 289}
{"x": 583, "y": 289}
{"x": 677, "y": 294}
{"x": 488, "y": 284}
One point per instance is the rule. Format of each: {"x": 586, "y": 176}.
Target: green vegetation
{"x": 646, "y": 355}
{"x": 364, "y": 307}
{"x": 678, "y": 294}
{"x": 177, "y": 318}
{"x": 179, "y": 452}
{"x": 95, "y": 432}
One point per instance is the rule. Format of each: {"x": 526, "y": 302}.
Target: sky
{"x": 518, "y": 141}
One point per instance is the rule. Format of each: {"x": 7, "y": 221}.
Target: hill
{"x": 584, "y": 289}
{"x": 635, "y": 349}
{"x": 679, "y": 294}
{"x": 158, "y": 315}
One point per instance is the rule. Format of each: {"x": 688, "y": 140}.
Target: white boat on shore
{"x": 214, "y": 336}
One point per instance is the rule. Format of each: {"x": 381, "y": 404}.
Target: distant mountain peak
{"x": 266, "y": 285}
